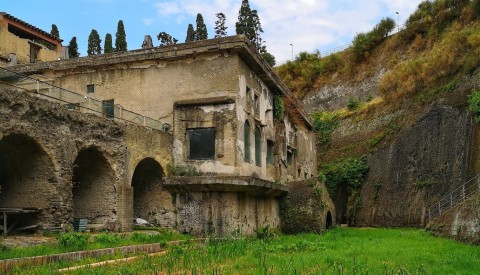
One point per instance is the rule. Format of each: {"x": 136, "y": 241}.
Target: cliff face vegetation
{"x": 400, "y": 103}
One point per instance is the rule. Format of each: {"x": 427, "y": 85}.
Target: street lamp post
{"x": 292, "y": 50}
{"x": 398, "y": 21}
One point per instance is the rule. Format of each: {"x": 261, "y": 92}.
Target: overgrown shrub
{"x": 108, "y": 238}
{"x": 324, "y": 124}
{"x": 278, "y": 108}
{"x": 364, "y": 43}
{"x": 349, "y": 172}
{"x": 353, "y": 103}
{"x": 73, "y": 239}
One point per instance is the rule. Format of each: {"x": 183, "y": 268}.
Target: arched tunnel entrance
{"x": 27, "y": 178}
{"x": 93, "y": 192}
{"x": 148, "y": 194}
{"x": 328, "y": 220}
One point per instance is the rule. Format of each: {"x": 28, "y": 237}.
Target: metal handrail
{"x": 455, "y": 197}
{"x": 77, "y": 101}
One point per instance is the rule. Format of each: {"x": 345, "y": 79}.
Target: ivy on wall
{"x": 278, "y": 107}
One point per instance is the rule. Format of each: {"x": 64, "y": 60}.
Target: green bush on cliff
{"x": 474, "y": 104}
{"x": 348, "y": 172}
{"x": 324, "y": 124}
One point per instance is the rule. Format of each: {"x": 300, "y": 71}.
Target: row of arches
{"x": 28, "y": 179}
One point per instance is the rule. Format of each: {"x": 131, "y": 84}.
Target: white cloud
{"x": 147, "y": 21}
{"x": 307, "y": 24}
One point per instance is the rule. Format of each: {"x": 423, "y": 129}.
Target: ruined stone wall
{"x": 307, "y": 208}
{"x": 60, "y": 136}
{"x": 225, "y": 213}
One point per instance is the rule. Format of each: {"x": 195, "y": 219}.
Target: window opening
{"x": 258, "y": 147}
{"x": 270, "y": 147}
{"x": 246, "y": 138}
{"x": 201, "y": 143}
{"x": 90, "y": 89}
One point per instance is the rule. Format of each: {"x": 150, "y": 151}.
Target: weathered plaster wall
{"x": 151, "y": 87}
{"x": 225, "y": 213}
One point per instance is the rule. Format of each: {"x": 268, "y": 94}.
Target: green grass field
{"x": 338, "y": 251}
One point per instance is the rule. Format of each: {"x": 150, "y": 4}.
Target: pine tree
{"x": 190, "y": 33}
{"x": 220, "y": 28}
{"x": 94, "y": 43}
{"x": 54, "y": 31}
{"x": 257, "y": 29}
{"x": 73, "y": 48}
{"x": 201, "y": 31}
{"x": 120, "y": 38}
{"x": 166, "y": 39}
{"x": 108, "y": 46}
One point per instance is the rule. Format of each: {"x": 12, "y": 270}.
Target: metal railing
{"x": 76, "y": 101}
{"x": 455, "y": 197}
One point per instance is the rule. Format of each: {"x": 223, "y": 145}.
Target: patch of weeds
{"x": 183, "y": 170}
{"x": 264, "y": 233}
{"x": 73, "y": 240}
{"x": 423, "y": 183}
{"x": 427, "y": 95}
{"x": 108, "y": 238}
{"x": 324, "y": 124}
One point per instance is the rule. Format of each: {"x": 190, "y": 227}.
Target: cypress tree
{"x": 190, "y": 33}
{"x": 220, "y": 28}
{"x": 120, "y": 38}
{"x": 94, "y": 43}
{"x": 476, "y": 9}
{"x": 201, "y": 31}
{"x": 73, "y": 48}
{"x": 244, "y": 24}
{"x": 108, "y": 46}
{"x": 54, "y": 31}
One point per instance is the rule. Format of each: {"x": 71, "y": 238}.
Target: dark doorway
{"x": 108, "y": 107}
{"x": 328, "y": 220}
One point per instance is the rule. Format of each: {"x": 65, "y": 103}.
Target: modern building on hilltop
{"x": 22, "y": 43}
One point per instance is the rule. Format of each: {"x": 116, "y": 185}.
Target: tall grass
{"x": 339, "y": 251}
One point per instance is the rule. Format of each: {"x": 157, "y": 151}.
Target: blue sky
{"x": 307, "y": 24}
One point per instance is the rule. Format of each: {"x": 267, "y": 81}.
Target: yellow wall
{"x": 10, "y": 43}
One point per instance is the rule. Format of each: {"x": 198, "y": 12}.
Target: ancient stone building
{"x": 238, "y": 136}
{"x": 22, "y": 43}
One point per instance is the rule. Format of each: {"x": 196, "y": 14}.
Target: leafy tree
{"x": 94, "y": 43}
{"x": 120, "y": 38}
{"x": 190, "y": 33}
{"x": 349, "y": 172}
{"x": 54, "y": 31}
{"x": 73, "y": 48}
{"x": 220, "y": 28}
{"x": 201, "y": 31}
{"x": 108, "y": 47}
{"x": 166, "y": 39}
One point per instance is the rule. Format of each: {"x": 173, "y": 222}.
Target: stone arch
{"x": 27, "y": 179}
{"x": 328, "y": 220}
{"x": 93, "y": 191}
{"x": 149, "y": 198}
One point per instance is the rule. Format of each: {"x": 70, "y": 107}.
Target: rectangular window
{"x": 201, "y": 143}
{"x": 90, "y": 89}
{"x": 73, "y": 106}
{"x": 257, "y": 106}
{"x": 270, "y": 148}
